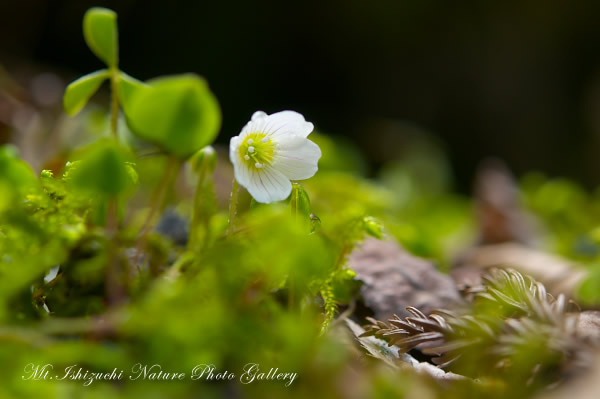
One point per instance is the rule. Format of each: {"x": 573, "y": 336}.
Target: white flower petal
{"x": 234, "y": 145}
{"x": 242, "y": 173}
{"x": 279, "y": 123}
{"x": 297, "y": 157}
{"x": 240, "y": 168}
{"x": 256, "y": 125}
{"x": 268, "y": 185}
{"x": 258, "y": 115}
{"x": 286, "y": 122}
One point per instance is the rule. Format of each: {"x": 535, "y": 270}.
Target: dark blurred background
{"x": 515, "y": 79}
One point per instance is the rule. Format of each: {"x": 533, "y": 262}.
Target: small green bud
{"x": 70, "y": 167}
{"x": 349, "y": 274}
{"x": 204, "y": 160}
{"x": 373, "y": 227}
{"x": 300, "y": 201}
{"x": 133, "y": 175}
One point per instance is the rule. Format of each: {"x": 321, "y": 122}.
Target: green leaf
{"x": 16, "y": 177}
{"x": 179, "y": 114}
{"x": 127, "y": 87}
{"x": 100, "y": 32}
{"x": 105, "y": 169}
{"x": 14, "y": 171}
{"x": 79, "y": 92}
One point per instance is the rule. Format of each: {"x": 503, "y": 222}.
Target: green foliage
{"x": 570, "y": 214}
{"x": 204, "y": 203}
{"x": 204, "y": 161}
{"x": 179, "y": 114}
{"x": 100, "y": 32}
{"x": 300, "y": 203}
{"x": 373, "y": 227}
{"x": 127, "y": 87}
{"x": 105, "y": 170}
{"x": 38, "y": 233}
{"x": 339, "y": 154}
{"x": 87, "y": 280}
{"x": 427, "y": 217}
{"x": 79, "y": 92}
{"x": 13, "y": 171}
{"x": 92, "y": 273}
{"x": 588, "y": 293}
{"x": 16, "y": 177}
{"x": 570, "y": 217}
{"x": 433, "y": 226}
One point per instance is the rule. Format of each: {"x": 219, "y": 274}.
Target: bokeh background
{"x": 519, "y": 80}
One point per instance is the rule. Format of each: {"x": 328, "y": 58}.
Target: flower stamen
{"x": 258, "y": 150}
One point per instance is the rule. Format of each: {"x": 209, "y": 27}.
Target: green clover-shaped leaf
{"x": 79, "y": 92}
{"x": 100, "y": 32}
{"x": 178, "y": 113}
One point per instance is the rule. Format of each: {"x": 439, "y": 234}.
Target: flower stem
{"x": 114, "y": 90}
{"x": 233, "y": 206}
{"x": 196, "y": 217}
{"x": 294, "y": 203}
{"x": 291, "y": 279}
{"x": 156, "y": 204}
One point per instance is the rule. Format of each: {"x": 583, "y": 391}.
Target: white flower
{"x": 270, "y": 151}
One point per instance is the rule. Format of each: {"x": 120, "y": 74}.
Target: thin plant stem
{"x": 291, "y": 285}
{"x": 115, "y": 290}
{"x": 157, "y": 201}
{"x": 233, "y": 206}
{"x": 195, "y": 210}
{"x": 293, "y": 203}
{"x": 113, "y": 283}
{"x": 114, "y": 89}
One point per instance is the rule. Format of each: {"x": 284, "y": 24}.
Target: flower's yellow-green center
{"x": 257, "y": 150}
